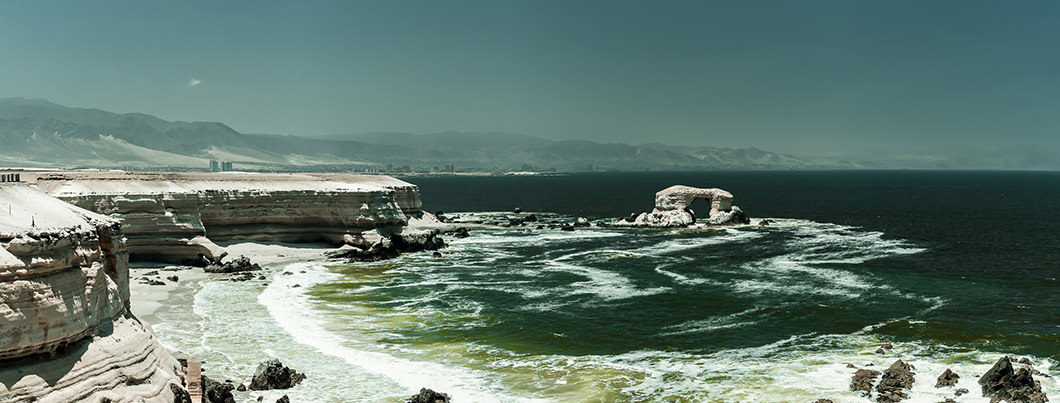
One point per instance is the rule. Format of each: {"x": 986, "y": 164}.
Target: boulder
{"x": 180, "y": 395}
{"x": 896, "y": 379}
{"x": 863, "y": 379}
{"x": 428, "y": 396}
{"x": 392, "y": 246}
{"x": 948, "y": 378}
{"x": 581, "y": 222}
{"x": 272, "y": 374}
{"x": 283, "y": 399}
{"x": 1003, "y": 382}
{"x": 217, "y": 392}
{"x": 239, "y": 265}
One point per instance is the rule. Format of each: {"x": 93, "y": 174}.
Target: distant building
{"x": 226, "y": 166}
{"x": 214, "y": 166}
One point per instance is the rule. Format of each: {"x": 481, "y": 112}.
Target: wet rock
{"x": 391, "y": 247}
{"x": 896, "y": 379}
{"x": 517, "y": 210}
{"x": 459, "y": 233}
{"x": 863, "y": 379}
{"x": 173, "y": 278}
{"x": 154, "y": 282}
{"x": 283, "y": 399}
{"x": 241, "y": 388}
{"x": 887, "y": 346}
{"x": 515, "y": 222}
{"x": 436, "y": 255}
{"x": 261, "y": 277}
{"x": 1026, "y": 361}
{"x": 948, "y": 400}
{"x": 881, "y": 351}
{"x": 180, "y": 395}
{"x": 566, "y": 227}
{"x": 581, "y": 222}
{"x": 763, "y": 223}
{"x": 428, "y": 396}
{"x": 823, "y": 401}
{"x": 1003, "y": 382}
{"x": 151, "y": 273}
{"x": 217, "y": 392}
{"x": 240, "y": 264}
{"x": 272, "y": 374}
{"x": 851, "y": 366}
{"x": 530, "y": 218}
{"x": 947, "y": 379}
{"x": 960, "y": 391}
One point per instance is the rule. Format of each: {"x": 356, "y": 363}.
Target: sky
{"x": 810, "y": 77}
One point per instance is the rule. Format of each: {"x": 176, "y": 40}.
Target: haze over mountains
{"x": 38, "y": 133}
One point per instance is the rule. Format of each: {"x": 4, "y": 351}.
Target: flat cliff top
{"x": 120, "y": 182}
{"x": 24, "y": 209}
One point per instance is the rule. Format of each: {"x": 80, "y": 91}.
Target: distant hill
{"x": 38, "y": 133}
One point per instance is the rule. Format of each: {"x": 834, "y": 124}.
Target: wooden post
{"x": 194, "y": 378}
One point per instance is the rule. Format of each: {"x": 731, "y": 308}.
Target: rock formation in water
{"x": 178, "y": 217}
{"x": 272, "y": 374}
{"x": 66, "y": 333}
{"x": 672, "y": 209}
{"x": 896, "y": 380}
{"x": 1005, "y": 383}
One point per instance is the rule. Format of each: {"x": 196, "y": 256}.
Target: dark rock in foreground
{"x": 217, "y": 392}
{"x": 239, "y": 265}
{"x": 896, "y": 379}
{"x": 272, "y": 374}
{"x": 429, "y": 396}
{"x": 283, "y": 399}
{"x": 863, "y": 380}
{"x": 948, "y": 378}
{"x": 1003, "y": 382}
{"x": 823, "y": 401}
{"x": 180, "y": 395}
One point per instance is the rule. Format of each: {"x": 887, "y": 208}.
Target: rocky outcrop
{"x": 428, "y": 396}
{"x": 1004, "y": 383}
{"x": 272, "y": 374}
{"x": 895, "y": 381}
{"x": 65, "y": 330}
{"x": 672, "y": 209}
{"x": 371, "y": 246}
{"x": 178, "y": 217}
{"x": 217, "y": 392}
{"x": 237, "y": 265}
{"x": 947, "y": 379}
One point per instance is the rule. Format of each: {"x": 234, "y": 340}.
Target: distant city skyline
{"x": 799, "y": 77}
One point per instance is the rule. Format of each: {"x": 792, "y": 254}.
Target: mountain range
{"x": 38, "y": 133}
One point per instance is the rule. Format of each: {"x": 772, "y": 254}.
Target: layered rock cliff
{"x": 176, "y": 217}
{"x": 672, "y": 209}
{"x": 67, "y": 334}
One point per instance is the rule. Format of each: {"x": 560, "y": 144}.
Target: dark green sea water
{"x": 955, "y": 269}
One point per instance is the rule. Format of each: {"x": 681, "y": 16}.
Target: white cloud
{"x": 194, "y": 82}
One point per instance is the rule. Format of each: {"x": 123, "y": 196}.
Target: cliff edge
{"x": 67, "y": 334}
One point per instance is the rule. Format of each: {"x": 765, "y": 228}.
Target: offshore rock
{"x": 283, "y": 399}
{"x": 896, "y": 379}
{"x": 672, "y": 209}
{"x": 863, "y": 379}
{"x": 428, "y": 396}
{"x": 272, "y": 374}
{"x": 1003, "y": 383}
{"x": 239, "y": 265}
{"x": 948, "y": 378}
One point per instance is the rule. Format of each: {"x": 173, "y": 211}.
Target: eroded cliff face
{"x": 176, "y": 217}
{"x": 66, "y": 332}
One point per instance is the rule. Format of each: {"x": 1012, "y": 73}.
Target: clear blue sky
{"x": 796, "y": 76}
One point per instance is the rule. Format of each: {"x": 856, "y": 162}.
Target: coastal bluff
{"x": 178, "y": 217}
{"x": 67, "y": 333}
{"x": 672, "y": 209}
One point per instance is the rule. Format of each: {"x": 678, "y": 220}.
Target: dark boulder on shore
{"x": 896, "y": 379}
{"x": 217, "y": 392}
{"x": 239, "y": 265}
{"x": 283, "y": 399}
{"x": 272, "y": 374}
{"x": 948, "y": 378}
{"x": 428, "y": 396}
{"x": 392, "y": 247}
{"x": 1004, "y": 383}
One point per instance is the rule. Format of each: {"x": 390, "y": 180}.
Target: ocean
{"x": 955, "y": 269}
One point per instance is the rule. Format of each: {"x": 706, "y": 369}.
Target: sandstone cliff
{"x": 67, "y": 334}
{"x": 176, "y": 217}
